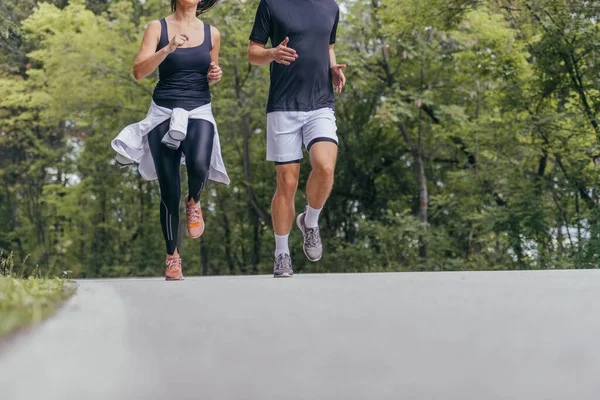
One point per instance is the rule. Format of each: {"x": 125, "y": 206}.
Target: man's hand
{"x": 215, "y": 73}
{"x": 283, "y": 54}
{"x": 339, "y": 80}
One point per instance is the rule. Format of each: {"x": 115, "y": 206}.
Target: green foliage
{"x": 468, "y": 133}
{"x": 25, "y": 301}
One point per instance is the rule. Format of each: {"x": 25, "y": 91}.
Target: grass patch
{"x": 25, "y": 301}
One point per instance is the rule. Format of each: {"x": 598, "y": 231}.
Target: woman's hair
{"x": 203, "y": 6}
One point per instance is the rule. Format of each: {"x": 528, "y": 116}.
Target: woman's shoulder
{"x": 154, "y": 25}
{"x": 214, "y": 32}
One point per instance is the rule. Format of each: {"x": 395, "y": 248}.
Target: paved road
{"x": 480, "y": 336}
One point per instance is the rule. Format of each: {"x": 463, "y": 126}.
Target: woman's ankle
{"x": 191, "y": 200}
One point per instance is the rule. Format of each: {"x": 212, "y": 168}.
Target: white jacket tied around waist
{"x": 132, "y": 146}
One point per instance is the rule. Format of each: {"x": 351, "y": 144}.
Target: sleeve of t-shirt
{"x": 334, "y": 30}
{"x": 261, "y": 31}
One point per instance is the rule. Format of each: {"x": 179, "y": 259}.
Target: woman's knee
{"x": 169, "y": 196}
{"x": 198, "y": 170}
{"x": 198, "y": 149}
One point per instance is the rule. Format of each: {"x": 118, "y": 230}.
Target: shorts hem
{"x": 287, "y": 162}
{"x": 286, "y": 159}
{"x": 321, "y": 139}
{"x": 301, "y": 109}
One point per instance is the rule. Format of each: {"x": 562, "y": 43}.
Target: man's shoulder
{"x": 330, "y": 5}
{"x": 282, "y": 3}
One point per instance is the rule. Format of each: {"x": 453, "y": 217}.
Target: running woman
{"x": 180, "y": 127}
{"x": 300, "y": 110}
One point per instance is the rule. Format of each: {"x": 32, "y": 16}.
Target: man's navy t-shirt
{"x": 305, "y": 84}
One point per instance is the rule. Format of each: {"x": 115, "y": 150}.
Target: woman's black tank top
{"x": 183, "y": 75}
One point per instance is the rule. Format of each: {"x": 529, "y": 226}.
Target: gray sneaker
{"x": 312, "y": 240}
{"x": 283, "y": 266}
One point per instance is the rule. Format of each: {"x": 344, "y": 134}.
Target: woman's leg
{"x": 197, "y": 148}
{"x": 167, "y": 162}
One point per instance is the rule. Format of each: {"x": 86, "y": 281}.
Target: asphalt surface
{"x": 480, "y": 335}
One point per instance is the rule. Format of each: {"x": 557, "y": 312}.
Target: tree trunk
{"x": 423, "y": 204}
{"x": 203, "y": 257}
{"x": 15, "y": 221}
{"x": 256, "y": 247}
{"x": 423, "y": 194}
{"x": 228, "y": 250}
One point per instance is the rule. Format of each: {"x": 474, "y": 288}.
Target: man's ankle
{"x": 281, "y": 244}
{"x": 311, "y": 218}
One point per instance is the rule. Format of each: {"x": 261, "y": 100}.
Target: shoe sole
{"x": 174, "y": 279}
{"x": 285, "y": 275}
{"x": 195, "y": 237}
{"x": 304, "y": 234}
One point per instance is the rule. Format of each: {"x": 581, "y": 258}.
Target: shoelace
{"x": 282, "y": 263}
{"x": 313, "y": 238}
{"x": 174, "y": 264}
{"x": 194, "y": 213}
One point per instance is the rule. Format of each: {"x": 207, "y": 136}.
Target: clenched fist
{"x": 177, "y": 42}
{"x": 215, "y": 73}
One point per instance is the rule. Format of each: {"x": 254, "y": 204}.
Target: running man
{"x": 300, "y": 110}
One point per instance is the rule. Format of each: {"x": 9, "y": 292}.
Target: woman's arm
{"x": 148, "y": 59}
{"x": 215, "y": 73}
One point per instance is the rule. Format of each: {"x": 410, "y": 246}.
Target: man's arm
{"x": 258, "y": 55}
{"x": 339, "y": 80}
{"x": 332, "y": 59}
{"x": 261, "y": 32}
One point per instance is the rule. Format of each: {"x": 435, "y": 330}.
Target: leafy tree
{"x": 468, "y": 130}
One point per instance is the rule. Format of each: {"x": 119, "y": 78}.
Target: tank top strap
{"x": 164, "y": 34}
{"x": 207, "y": 36}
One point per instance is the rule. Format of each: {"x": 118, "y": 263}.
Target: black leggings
{"x": 197, "y": 148}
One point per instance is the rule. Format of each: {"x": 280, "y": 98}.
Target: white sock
{"x": 281, "y": 245}
{"x": 311, "y": 219}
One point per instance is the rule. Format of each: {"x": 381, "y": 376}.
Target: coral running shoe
{"x": 195, "y": 221}
{"x": 173, "y": 271}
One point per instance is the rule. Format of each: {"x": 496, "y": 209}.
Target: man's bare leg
{"x": 282, "y": 212}
{"x": 282, "y": 206}
{"x": 323, "y": 156}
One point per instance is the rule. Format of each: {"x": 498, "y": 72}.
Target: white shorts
{"x": 287, "y": 130}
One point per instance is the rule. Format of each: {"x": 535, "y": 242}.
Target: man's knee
{"x": 323, "y": 156}
{"x": 287, "y": 182}
{"x": 324, "y": 169}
